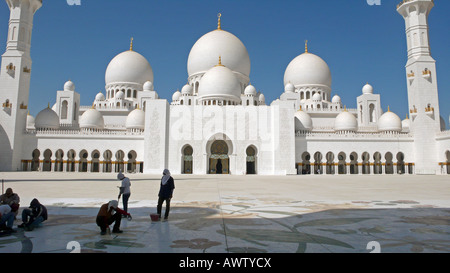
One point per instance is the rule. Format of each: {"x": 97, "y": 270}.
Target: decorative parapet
{"x": 83, "y": 132}
{"x": 357, "y": 135}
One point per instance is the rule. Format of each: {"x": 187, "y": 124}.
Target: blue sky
{"x": 360, "y": 43}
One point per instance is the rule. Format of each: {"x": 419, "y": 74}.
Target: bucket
{"x": 154, "y": 217}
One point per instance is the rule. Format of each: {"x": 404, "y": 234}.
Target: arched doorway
{"x": 95, "y": 164}
{"x": 119, "y": 161}
{"x": 83, "y": 167}
{"x": 365, "y": 163}
{"x": 219, "y": 160}
{"x": 389, "y": 165}
{"x": 251, "y": 160}
{"x": 107, "y": 161}
{"x": 131, "y": 165}
{"x": 59, "y": 163}
{"x": 318, "y": 163}
{"x": 306, "y": 164}
{"x": 330, "y": 163}
{"x": 400, "y": 163}
{"x": 187, "y": 159}
{"x": 377, "y": 163}
{"x": 353, "y": 163}
{"x": 342, "y": 165}
{"x": 35, "y": 161}
{"x": 47, "y": 166}
{"x": 70, "y": 161}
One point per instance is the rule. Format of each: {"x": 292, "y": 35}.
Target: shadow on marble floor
{"x": 243, "y": 227}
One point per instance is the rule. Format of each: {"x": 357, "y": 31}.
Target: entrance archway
{"x": 219, "y": 160}
{"x": 187, "y": 159}
{"x": 251, "y": 160}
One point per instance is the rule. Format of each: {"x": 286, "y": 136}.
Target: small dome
{"x": 367, "y": 89}
{"x": 47, "y": 119}
{"x": 220, "y": 82}
{"x": 406, "y": 124}
{"x": 187, "y": 90}
{"x": 336, "y": 99}
{"x": 69, "y": 86}
{"x": 92, "y": 119}
{"x": 148, "y": 86}
{"x": 389, "y": 121}
{"x": 250, "y": 90}
{"x": 128, "y": 67}
{"x": 303, "y": 121}
{"x": 135, "y": 119}
{"x": 120, "y": 95}
{"x": 30, "y": 122}
{"x": 345, "y": 122}
{"x": 100, "y": 97}
{"x": 176, "y": 96}
{"x": 262, "y": 98}
{"x": 289, "y": 88}
{"x": 316, "y": 97}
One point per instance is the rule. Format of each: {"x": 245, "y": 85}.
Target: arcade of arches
{"x": 84, "y": 161}
{"x": 344, "y": 163}
{"x": 329, "y": 163}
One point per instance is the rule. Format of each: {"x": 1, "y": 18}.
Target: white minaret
{"x": 15, "y": 74}
{"x": 422, "y": 85}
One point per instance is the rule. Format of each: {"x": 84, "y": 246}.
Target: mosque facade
{"x": 219, "y": 123}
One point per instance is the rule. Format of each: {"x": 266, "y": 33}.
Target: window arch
{"x": 64, "y": 109}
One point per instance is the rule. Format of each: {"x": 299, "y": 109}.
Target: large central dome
{"x": 306, "y": 70}
{"x": 217, "y": 43}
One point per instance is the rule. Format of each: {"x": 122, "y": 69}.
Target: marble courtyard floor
{"x": 222, "y": 213}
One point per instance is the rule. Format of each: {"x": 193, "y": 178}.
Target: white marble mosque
{"x": 219, "y": 123}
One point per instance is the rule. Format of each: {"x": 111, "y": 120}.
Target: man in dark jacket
{"x": 165, "y": 193}
{"x": 33, "y": 216}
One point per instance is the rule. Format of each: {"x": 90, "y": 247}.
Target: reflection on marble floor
{"x": 246, "y": 224}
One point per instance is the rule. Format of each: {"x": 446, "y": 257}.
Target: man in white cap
{"x": 109, "y": 213}
{"x": 124, "y": 190}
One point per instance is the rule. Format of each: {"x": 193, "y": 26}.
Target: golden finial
{"x": 28, "y": 112}
{"x": 131, "y": 44}
{"x": 48, "y": 105}
{"x": 306, "y": 46}
{"x": 220, "y": 62}
{"x": 407, "y": 116}
{"x": 389, "y": 110}
{"x": 218, "y": 21}
{"x": 300, "y": 109}
{"x": 345, "y": 108}
{"x": 93, "y": 105}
